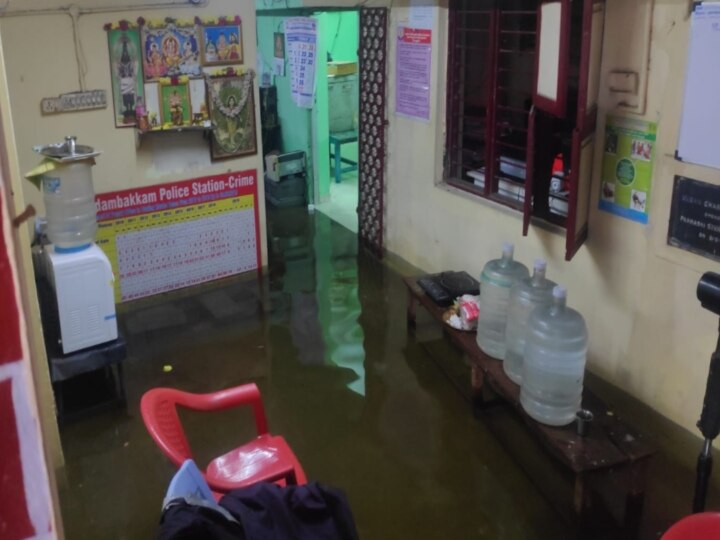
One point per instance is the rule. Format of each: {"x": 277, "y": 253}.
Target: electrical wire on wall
{"x": 75, "y": 12}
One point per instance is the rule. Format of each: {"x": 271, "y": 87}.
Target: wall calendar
{"x": 174, "y": 235}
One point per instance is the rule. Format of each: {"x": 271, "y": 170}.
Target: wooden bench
{"x": 612, "y": 453}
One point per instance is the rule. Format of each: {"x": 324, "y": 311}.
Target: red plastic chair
{"x": 704, "y": 526}
{"x": 267, "y": 458}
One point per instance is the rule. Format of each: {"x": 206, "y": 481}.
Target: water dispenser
{"x": 78, "y": 271}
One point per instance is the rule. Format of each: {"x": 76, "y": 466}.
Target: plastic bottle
{"x": 496, "y": 279}
{"x": 70, "y": 205}
{"x": 525, "y": 295}
{"x": 554, "y": 366}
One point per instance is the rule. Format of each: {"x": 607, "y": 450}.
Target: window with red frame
{"x": 522, "y": 82}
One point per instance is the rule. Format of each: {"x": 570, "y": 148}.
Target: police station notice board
{"x": 174, "y": 235}
{"x": 412, "y": 72}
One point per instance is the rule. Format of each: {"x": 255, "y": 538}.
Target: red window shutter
{"x": 552, "y": 56}
{"x": 583, "y": 145}
{"x": 529, "y": 173}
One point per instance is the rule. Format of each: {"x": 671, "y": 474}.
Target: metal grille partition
{"x": 371, "y": 144}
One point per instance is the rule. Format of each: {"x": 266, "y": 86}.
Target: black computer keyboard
{"x": 435, "y": 291}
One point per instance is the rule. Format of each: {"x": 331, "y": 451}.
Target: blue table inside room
{"x": 342, "y": 165}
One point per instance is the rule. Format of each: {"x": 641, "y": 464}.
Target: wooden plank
{"x": 610, "y": 442}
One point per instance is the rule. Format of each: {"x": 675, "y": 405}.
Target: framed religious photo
{"x": 169, "y": 51}
{"x": 175, "y": 107}
{"x": 125, "y": 73}
{"x": 221, "y": 44}
{"x": 279, "y": 45}
{"x": 278, "y": 66}
{"x": 231, "y": 107}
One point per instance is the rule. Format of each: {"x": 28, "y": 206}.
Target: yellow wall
{"x": 648, "y": 333}
{"x": 40, "y": 62}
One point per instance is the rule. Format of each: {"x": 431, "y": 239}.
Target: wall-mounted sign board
{"x": 695, "y": 217}
{"x": 74, "y": 101}
{"x": 165, "y": 237}
{"x": 699, "y": 137}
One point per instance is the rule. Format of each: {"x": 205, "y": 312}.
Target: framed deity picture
{"x": 170, "y": 51}
{"x": 221, "y": 44}
{"x": 175, "y": 106}
{"x": 279, "y": 54}
{"x": 198, "y": 102}
{"x": 232, "y": 113}
{"x": 125, "y": 74}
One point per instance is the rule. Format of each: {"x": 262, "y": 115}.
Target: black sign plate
{"x": 695, "y": 217}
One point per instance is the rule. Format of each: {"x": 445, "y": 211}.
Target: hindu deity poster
{"x": 232, "y": 111}
{"x": 125, "y": 73}
{"x": 169, "y": 51}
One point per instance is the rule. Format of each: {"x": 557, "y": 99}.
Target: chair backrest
{"x": 159, "y": 412}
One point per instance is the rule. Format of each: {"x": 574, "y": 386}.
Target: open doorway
{"x": 316, "y": 145}
{"x": 335, "y": 117}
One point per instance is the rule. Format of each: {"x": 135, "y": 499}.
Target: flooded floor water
{"x": 364, "y": 406}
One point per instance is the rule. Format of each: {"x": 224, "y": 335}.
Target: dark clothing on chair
{"x": 265, "y": 511}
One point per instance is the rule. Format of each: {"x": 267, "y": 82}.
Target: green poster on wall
{"x": 627, "y": 167}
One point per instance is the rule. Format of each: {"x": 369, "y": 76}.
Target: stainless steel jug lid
{"x": 66, "y": 151}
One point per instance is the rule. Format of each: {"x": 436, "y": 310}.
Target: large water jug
{"x": 69, "y": 196}
{"x": 525, "y": 296}
{"x": 496, "y": 279}
{"x": 554, "y": 364}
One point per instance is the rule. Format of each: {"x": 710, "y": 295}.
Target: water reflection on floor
{"x": 364, "y": 407}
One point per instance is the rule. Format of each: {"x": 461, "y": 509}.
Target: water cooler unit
{"x": 76, "y": 269}
{"x": 83, "y": 285}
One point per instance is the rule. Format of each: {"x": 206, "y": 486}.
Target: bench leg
{"x": 411, "y": 313}
{"x": 581, "y": 496}
{"x": 635, "y": 498}
{"x": 477, "y": 381}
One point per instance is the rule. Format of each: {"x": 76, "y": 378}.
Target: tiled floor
{"x": 342, "y": 205}
{"x": 364, "y": 406}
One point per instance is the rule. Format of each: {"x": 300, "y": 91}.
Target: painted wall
{"x": 35, "y": 72}
{"x": 320, "y": 116}
{"x": 341, "y": 35}
{"x": 648, "y": 333}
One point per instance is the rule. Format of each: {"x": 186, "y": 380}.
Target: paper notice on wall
{"x": 628, "y": 167}
{"x": 300, "y": 47}
{"x": 279, "y": 67}
{"x": 422, "y": 14}
{"x": 165, "y": 237}
{"x": 412, "y": 69}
